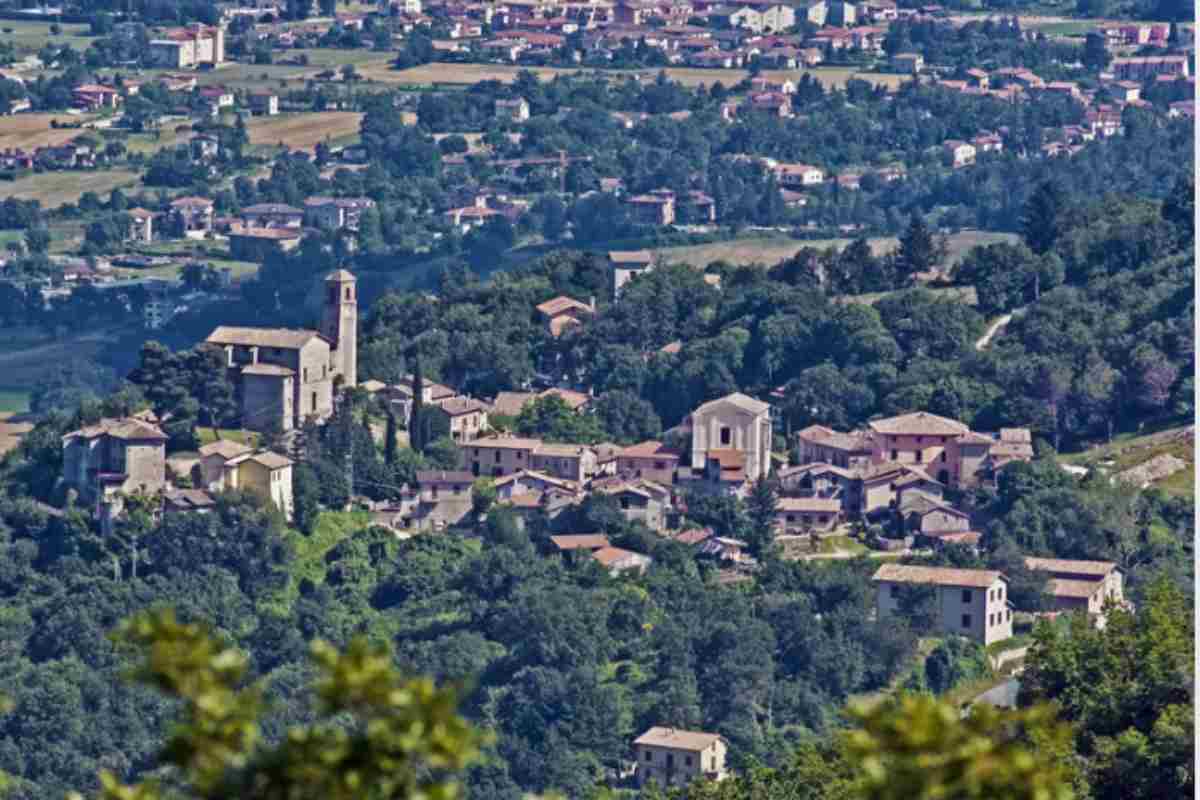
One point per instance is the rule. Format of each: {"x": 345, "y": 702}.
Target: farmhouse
{"x": 970, "y": 602}
{"x": 672, "y": 757}
{"x": 114, "y": 456}
{"x": 1081, "y": 585}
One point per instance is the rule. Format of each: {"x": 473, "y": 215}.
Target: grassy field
{"x": 29, "y": 131}
{"x": 24, "y": 360}
{"x": 304, "y": 131}
{"x": 1127, "y": 451}
{"x": 31, "y": 36}
{"x": 55, "y": 188}
{"x": 473, "y": 73}
{"x": 770, "y": 250}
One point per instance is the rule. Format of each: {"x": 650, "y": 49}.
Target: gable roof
{"x": 226, "y": 448}
{"x": 576, "y": 400}
{"x": 939, "y": 576}
{"x": 124, "y": 428}
{"x": 608, "y": 556}
{"x": 510, "y": 403}
{"x": 562, "y": 304}
{"x": 813, "y": 505}
{"x": 648, "y": 449}
{"x": 1098, "y": 569}
{"x": 283, "y": 338}
{"x": 737, "y": 399}
{"x": 637, "y": 258}
{"x": 443, "y": 476}
{"x": 677, "y": 739}
{"x": 582, "y": 541}
{"x": 827, "y": 437}
{"x": 457, "y": 406}
{"x": 918, "y": 423}
{"x": 1059, "y": 587}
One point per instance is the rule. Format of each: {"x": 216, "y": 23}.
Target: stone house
{"x": 284, "y": 376}
{"x": 798, "y": 176}
{"x": 1081, "y": 585}
{"x": 204, "y": 147}
{"x": 560, "y": 312}
{"x": 734, "y": 422}
{"x": 585, "y": 542}
{"x": 804, "y": 514}
{"x": 651, "y": 460}
{"x": 616, "y": 560}
{"x": 498, "y": 456}
{"x": 820, "y": 445}
{"x": 970, "y": 602}
{"x": 675, "y": 758}
{"x": 114, "y": 456}
{"x": 192, "y": 216}
{"x": 528, "y": 481}
{"x": 928, "y": 515}
{"x": 638, "y": 500}
{"x": 272, "y": 215}
{"x": 335, "y": 213}
{"x": 466, "y": 417}
{"x": 571, "y": 462}
{"x": 444, "y": 498}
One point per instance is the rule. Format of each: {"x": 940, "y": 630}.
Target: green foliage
{"x": 404, "y": 733}
{"x": 917, "y": 748}
{"x": 1127, "y": 688}
{"x": 955, "y": 660}
{"x": 550, "y": 418}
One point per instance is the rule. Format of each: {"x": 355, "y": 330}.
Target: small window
{"x": 305, "y": 374}
{"x": 919, "y": 456}
{"x": 314, "y": 401}
{"x": 670, "y": 760}
{"x": 1007, "y": 614}
{"x": 966, "y": 595}
{"x": 649, "y": 755}
{"x": 966, "y": 620}
{"x": 687, "y": 761}
{"x": 894, "y": 455}
{"x": 895, "y": 590}
{"x": 726, "y": 436}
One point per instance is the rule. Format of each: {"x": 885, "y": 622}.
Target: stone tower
{"x": 339, "y": 325}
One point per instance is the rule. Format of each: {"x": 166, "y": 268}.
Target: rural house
{"x": 970, "y": 602}
{"x": 1081, "y": 585}
{"x": 672, "y": 757}
{"x": 114, "y": 456}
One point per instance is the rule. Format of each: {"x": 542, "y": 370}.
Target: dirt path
{"x": 992, "y": 330}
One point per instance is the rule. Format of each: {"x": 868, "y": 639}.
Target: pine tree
{"x": 919, "y": 251}
{"x": 1040, "y": 221}
{"x": 761, "y": 508}
{"x": 415, "y": 429}
{"x": 389, "y": 440}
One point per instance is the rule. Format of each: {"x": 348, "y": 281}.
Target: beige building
{"x": 651, "y": 460}
{"x": 970, "y": 602}
{"x": 498, "y": 456}
{"x": 191, "y": 46}
{"x": 734, "y": 422}
{"x": 820, "y": 445}
{"x": 266, "y": 474}
{"x": 638, "y": 500}
{"x": 571, "y": 462}
{"x": 192, "y": 217}
{"x": 467, "y": 418}
{"x": 671, "y": 757}
{"x": 560, "y": 312}
{"x": 114, "y": 456}
{"x": 1081, "y": 585}
{"x": 616, "y": 560}
{"x": 286, "y": 376}
{"x": 141, "y": 225}
{"x": 803, "y": 514}
{"x": 627, "y": 265}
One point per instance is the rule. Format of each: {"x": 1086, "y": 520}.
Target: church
{"x": 284, "y": 376}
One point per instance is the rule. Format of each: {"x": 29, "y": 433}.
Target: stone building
{"x": 114, "y": 456}
{"x": 672, "y": 757}
{"x": 284, "y": 376}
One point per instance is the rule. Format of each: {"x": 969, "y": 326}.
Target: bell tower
{"x": 339, "y": 324}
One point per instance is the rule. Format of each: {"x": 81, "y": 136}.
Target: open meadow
{"x": 770, "y": 250}
{"x": 32, "y": 35}
{"x": 304, "y": 131}
{"x": 30, "y": 131}
{"x": 53, "y": 189}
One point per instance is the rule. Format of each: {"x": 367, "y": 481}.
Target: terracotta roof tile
{"x": 941, "y": 576}
{"x": 677, "y": 739}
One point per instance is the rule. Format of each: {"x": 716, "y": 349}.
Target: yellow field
{"x": 29, "y": 131}
{"x": 303, "y": 131}
{"x": 473, "y": 73}
{"x": 55, "y": 188}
